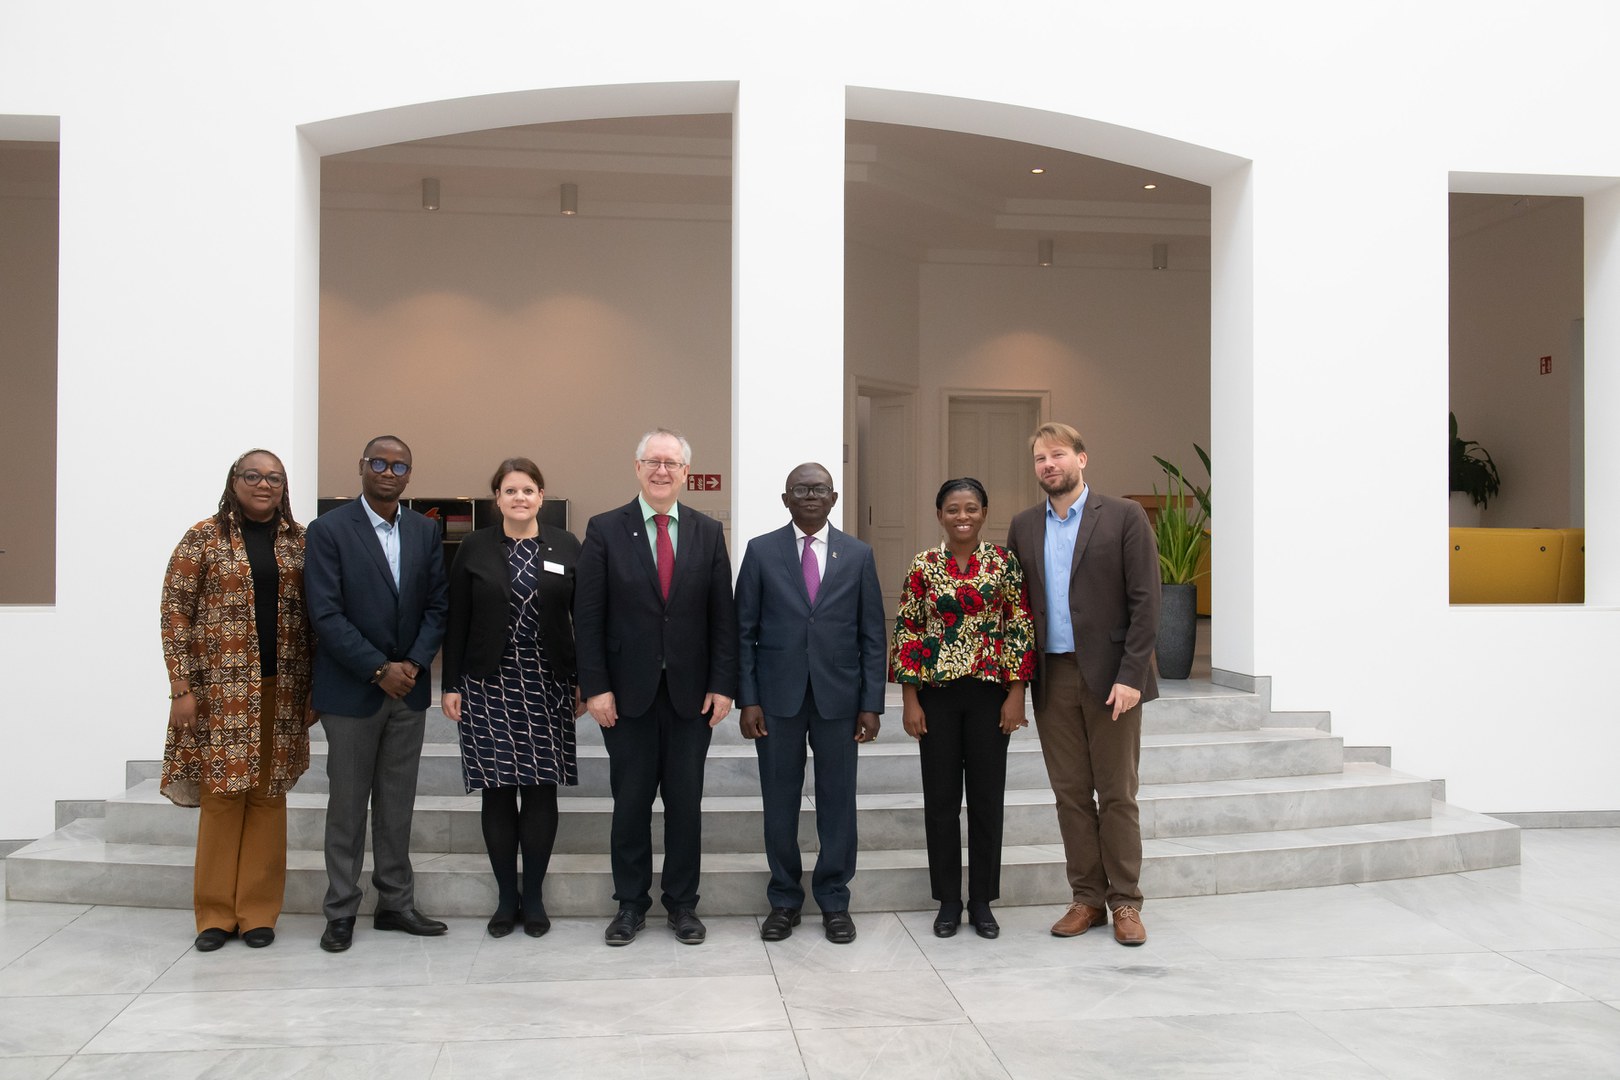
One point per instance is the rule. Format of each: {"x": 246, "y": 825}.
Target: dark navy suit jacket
{"x": 838, "y": 646}
{"x": 360, "y": 618}
{"x": 626, "y": 635}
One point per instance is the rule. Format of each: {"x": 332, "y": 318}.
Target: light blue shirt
{"x": 387, "y": 536}
{"x": 1061, "y": 534}
{"x": 647, "y": 513}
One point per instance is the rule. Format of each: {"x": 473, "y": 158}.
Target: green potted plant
{"x": 1180, "y": 528}
{"x": 1474, "y": 475}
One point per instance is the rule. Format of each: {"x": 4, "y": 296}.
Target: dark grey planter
{"x": 1178, "y": 630}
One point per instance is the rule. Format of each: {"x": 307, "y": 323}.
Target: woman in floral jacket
{"x": 964, "y": 646}
{"x": 237, "y": 644}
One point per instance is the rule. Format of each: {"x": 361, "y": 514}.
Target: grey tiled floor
{"x": 1500, "y": 973}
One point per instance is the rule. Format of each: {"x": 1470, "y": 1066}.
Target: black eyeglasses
{"x": 382, "y": 465}
{"x": 820, "y": 491}
{"x": 253, "y": 478}
{"x": 654, "y": 464}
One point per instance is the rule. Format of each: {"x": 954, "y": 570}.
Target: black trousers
{"x": 658, "y": 753}
{"x": 964, "y": 741}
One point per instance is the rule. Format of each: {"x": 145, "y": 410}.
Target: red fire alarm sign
{"x": 703, "y": 481}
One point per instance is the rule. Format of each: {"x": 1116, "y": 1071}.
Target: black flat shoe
{"x": 624, "y": 927}
{"x": 411, "y": 921}
{"x": 984, "y": 923}
{"x": 339, "y": 934}
{"x": 502, "y": 922}
{"x": 689, "y": 929}
{"x": 779, "y": 924}
{"x": 213, "y": 938}
{"x": 949, "y": 917}
{"x": 536, "y": 922}
{"x": 258, "y": 937}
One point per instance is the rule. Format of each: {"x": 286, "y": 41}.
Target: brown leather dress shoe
{"x": 1128, "y": 928}
{"x": 1078, "y": 919}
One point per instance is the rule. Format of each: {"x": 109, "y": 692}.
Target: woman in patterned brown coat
{"x": 237, "y": 644}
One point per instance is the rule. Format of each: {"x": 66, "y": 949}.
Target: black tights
{"x": 508, "y": 828}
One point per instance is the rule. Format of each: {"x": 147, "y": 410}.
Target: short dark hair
{"x": 385, "y": 438}
{"x": 516, "y": 464}
{"x": 961, "y": 483}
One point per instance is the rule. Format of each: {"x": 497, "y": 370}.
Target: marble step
{"x": 76, "y": 864}
{"x": 1195, "y": 707}
{"x": 735, "y": 824}
{"x": 890, "y": 764}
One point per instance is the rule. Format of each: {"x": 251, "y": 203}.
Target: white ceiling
{"x": 932, "y": 195}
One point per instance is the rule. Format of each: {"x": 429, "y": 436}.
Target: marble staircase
{"x": 1229, "y": 803}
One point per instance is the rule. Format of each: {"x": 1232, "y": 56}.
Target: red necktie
{"x": 666, "y": 554}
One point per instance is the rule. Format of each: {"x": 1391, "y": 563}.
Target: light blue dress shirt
{"x": 387, "y": 536}
{"x": 647, "y": 513}
{"x": 1061, "y": 534}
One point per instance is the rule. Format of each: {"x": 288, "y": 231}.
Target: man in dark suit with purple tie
{"x": 811, "y": 663}
{"x": 655, "y": 635}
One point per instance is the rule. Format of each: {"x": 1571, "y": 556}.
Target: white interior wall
{"x": 187, "y": 321}
{"x": 1124, "y": 354}
{"x": 479, "y": 336}
{"x": 1516, "y": 291}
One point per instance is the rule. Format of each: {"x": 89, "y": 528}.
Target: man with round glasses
{"x": 813, "y": 646}
{"x": 375, "y": 582}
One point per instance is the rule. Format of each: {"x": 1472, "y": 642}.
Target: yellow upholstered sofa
{"x": 1518, "y": 566}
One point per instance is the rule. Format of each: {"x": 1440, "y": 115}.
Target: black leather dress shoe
{"x": 779, "y": 924}
{"x": 624, "y": 927}
{"x": 689, "y": 929}
{"x": 839, "y": 926}
{"x": 984, "y": 923}
{"x": 339, "y": 934}
{"x": 212, "y": 938}
{"x": 535, "y": 921}
{"x": 411, "y": 921}
{"x": 501, "y": 923}
{"x": 258, "y": 937}
{"x": 948, "y": 919}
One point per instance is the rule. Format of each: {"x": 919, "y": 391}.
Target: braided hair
{"x": 228, "y": 503}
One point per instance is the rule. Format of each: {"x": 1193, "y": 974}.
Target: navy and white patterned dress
{"x": 517, "y": 726}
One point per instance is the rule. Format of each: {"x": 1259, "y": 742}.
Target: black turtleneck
{"x": 259, "y": 537}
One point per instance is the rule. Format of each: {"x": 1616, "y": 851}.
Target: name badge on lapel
{"x": 553, "y": 567}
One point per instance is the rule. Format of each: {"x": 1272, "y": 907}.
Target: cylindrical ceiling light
{"x": 1161, "y": 256}
{"x": 570, "y": 199}
{"x": 1043, "y": 251}
{"x": 430, "y": 193}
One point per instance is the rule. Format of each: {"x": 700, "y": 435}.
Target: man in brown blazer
{"x": 1093, "y": 575}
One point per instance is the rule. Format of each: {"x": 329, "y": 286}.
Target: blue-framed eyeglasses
{"x": 382, "y": 465}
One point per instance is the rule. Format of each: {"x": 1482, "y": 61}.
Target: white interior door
{"x": 988, "y": 439}
{"x": 888, "y": 489}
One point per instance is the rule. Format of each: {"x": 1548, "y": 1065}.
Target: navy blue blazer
{"x": 360, "y": 619}
{"x": 626, "y": 636}
{"x": 838, "y": 647}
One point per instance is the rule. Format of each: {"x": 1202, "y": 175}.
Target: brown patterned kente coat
{"x": 211, "y": 640}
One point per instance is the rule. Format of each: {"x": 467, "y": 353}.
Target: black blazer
{"x": 360, "y": 618}
{"x": 838, "y": 647}
{"x": 480, "y": 625}
{"x": 627, "y": 636}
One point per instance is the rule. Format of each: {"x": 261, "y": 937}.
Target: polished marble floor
{"x": 1500, "y": 973}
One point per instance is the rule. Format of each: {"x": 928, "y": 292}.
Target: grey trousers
{"x": 371, "y": 760}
